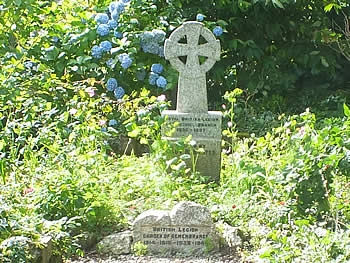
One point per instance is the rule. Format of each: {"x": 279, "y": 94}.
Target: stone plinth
{"x": 205, "y": 129}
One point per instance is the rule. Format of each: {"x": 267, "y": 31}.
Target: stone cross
{"x": 192, "y": 50}
{"x": 186, "y": 58}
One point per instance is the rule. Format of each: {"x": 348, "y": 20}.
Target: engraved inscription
{"x": 175, "y": 236}
{"x": 197, "y": 126}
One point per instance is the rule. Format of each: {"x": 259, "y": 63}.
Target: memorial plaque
{"x": 191, "y": 115}
{"x": 199, "y": 125}
{"x": 187, "y": 229}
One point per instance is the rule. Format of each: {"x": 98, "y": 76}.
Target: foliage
{"x": 338, "y": 39}
{"x": 288, "y": 189}
{"x": 140, "y": 249}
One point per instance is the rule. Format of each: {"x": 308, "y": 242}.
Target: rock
{"x": 87, "y": 241}
{"x": 116, "y": 244}
{"x": 42, "y": 254}
{"x": 185, "y": 230}
{"x": 231, "y": 239}
{"x": 190, "y": 213}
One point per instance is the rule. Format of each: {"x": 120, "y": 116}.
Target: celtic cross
{"x": 192, "y": 50}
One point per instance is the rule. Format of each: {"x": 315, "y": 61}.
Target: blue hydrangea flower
{"x": 161, "y": 82}
{"x": 141, "y": 74}
{"x": 146, "y": 39}
{"x": 125, "y": 60}
{"x": 150, "y": 41}
{"x": 55, "y": 39}
{"x": 113, "y": 24}
{"x": 119, "y": 93}
{"x": 106, "y": 46}
{"x": 110, "y": 63}
{"x": 112, "y": 84}
{"x": 153, "y": 78}
{"x": 152, "y": 48}
{"x": 159, "y": 35}
{"x": 112, "y": 122}
{"x": 116, "y": 8}
{"x": 115, "y": 15}
{"x": 120, "y": 7}
{"x": 157, "y": 68}
{"x": 112, "y": 6}
{"x": 96, "y": 51}
{"x": 147, "y": 36}
{"x": 103, "y": 30}
{"x": 117, "y": 34}
{"x": 101, "y": 18}
{"x": 218, "y": 31}
{"x": 161, "y": 51}
{"x": 200, "y": 17}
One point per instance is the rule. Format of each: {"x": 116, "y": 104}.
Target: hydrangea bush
{"x": 120, "y": 53}
{"x": 73, "y": 62}
{"x": 127, "y": 53}
{"x": 128, "y": 50}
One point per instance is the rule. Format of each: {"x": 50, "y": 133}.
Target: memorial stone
{"x": 187, "y": 230}
{"x": 192, "y": 50}
{"x": 115, "y": 244}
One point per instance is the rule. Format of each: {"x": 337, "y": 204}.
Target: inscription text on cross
{"x": 192, "y": 90}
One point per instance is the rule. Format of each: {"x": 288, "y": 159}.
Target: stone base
{"x": 186, "y": 230}
{"x": 205, "y": 129}
{"x": 209, "y": 162}
{"x": 115, "y": 244}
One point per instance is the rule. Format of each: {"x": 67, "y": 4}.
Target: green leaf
{"x": 134, "y": 133}
{"x": 234, "y": 44}
{"x": 48, "y": 106}
{"x": 267, "y": 253}
{"x": 143, "y": 140}
{"x": 51, "y": 53}
{"x": 346, "y": 110}
{"x": 278, "y": 4}
{"x": 330, "y": 6}
{"x": 317, "y": 24}
{"x": 324, "y": 62}
{"x": 82, "y": 94}
{"x": 222, "y": 23}
{"x": 54, "y": 6}
{"x": 2, "y": 145}
{"x": 302, "y": 222}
